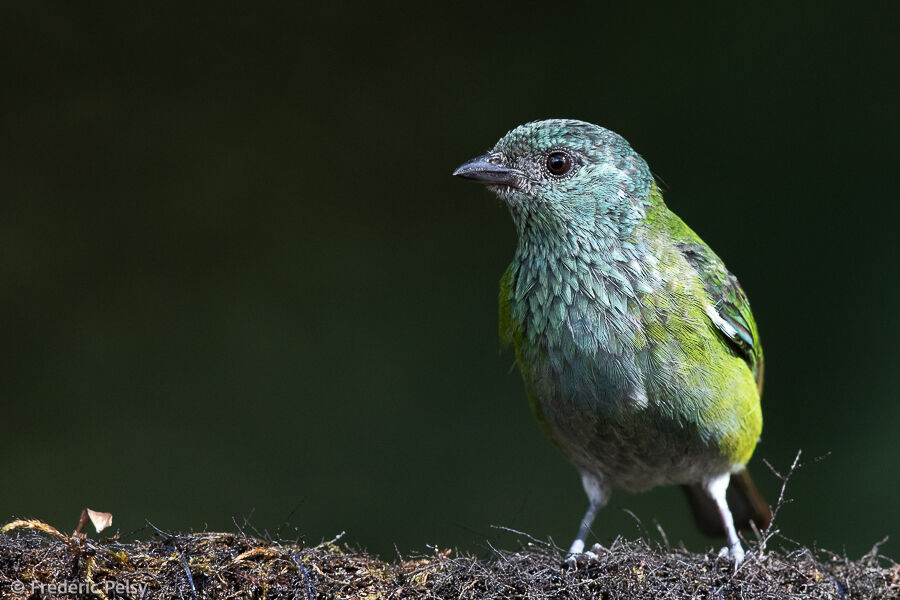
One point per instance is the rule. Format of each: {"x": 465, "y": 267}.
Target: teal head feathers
{"x": 559, "y": 174}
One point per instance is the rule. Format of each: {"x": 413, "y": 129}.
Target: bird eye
{"x": 558, "y": 163}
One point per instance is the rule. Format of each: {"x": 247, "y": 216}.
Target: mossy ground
{"x": 33, "y": 555}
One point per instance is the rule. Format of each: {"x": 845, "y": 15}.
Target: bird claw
{"x": 735, "y": 553}
{"x": 573, "y": 559}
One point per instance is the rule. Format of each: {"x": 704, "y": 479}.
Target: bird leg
{"x": 598, "y": 493}
{"x": 716, "y": 488}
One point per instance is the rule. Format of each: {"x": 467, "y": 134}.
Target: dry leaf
{"x": 100, "y": 520}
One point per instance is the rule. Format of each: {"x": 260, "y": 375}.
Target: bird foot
{"x": 573, "y": 559}
{"x": 735, "y": 553}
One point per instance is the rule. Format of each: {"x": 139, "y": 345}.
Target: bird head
{"x": 560, "y": 174}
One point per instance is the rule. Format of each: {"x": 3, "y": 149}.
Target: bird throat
{"x": 578, "y": 290}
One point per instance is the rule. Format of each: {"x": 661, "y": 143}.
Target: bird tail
{"x": 744, "y": 501}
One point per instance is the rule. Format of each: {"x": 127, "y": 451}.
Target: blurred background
{"x": 238, "y": 284}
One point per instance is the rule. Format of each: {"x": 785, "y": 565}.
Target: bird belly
{"x": 611, "y": 426}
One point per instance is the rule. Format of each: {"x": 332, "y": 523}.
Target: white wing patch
{"x": 723, "y": 325}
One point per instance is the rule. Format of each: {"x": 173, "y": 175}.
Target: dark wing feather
{"x": 735, "y": 321}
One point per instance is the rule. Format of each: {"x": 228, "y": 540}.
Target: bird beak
{"x": 484, "y": 169}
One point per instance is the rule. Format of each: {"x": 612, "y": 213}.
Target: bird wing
{"x": 730, "y": 312}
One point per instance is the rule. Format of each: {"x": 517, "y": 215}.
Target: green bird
{"x": 640, "y": 356}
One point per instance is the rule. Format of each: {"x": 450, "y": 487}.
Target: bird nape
{"x": 637, "y": 347}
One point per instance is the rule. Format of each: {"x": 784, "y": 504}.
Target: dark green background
{"x": 238, "y": 279}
